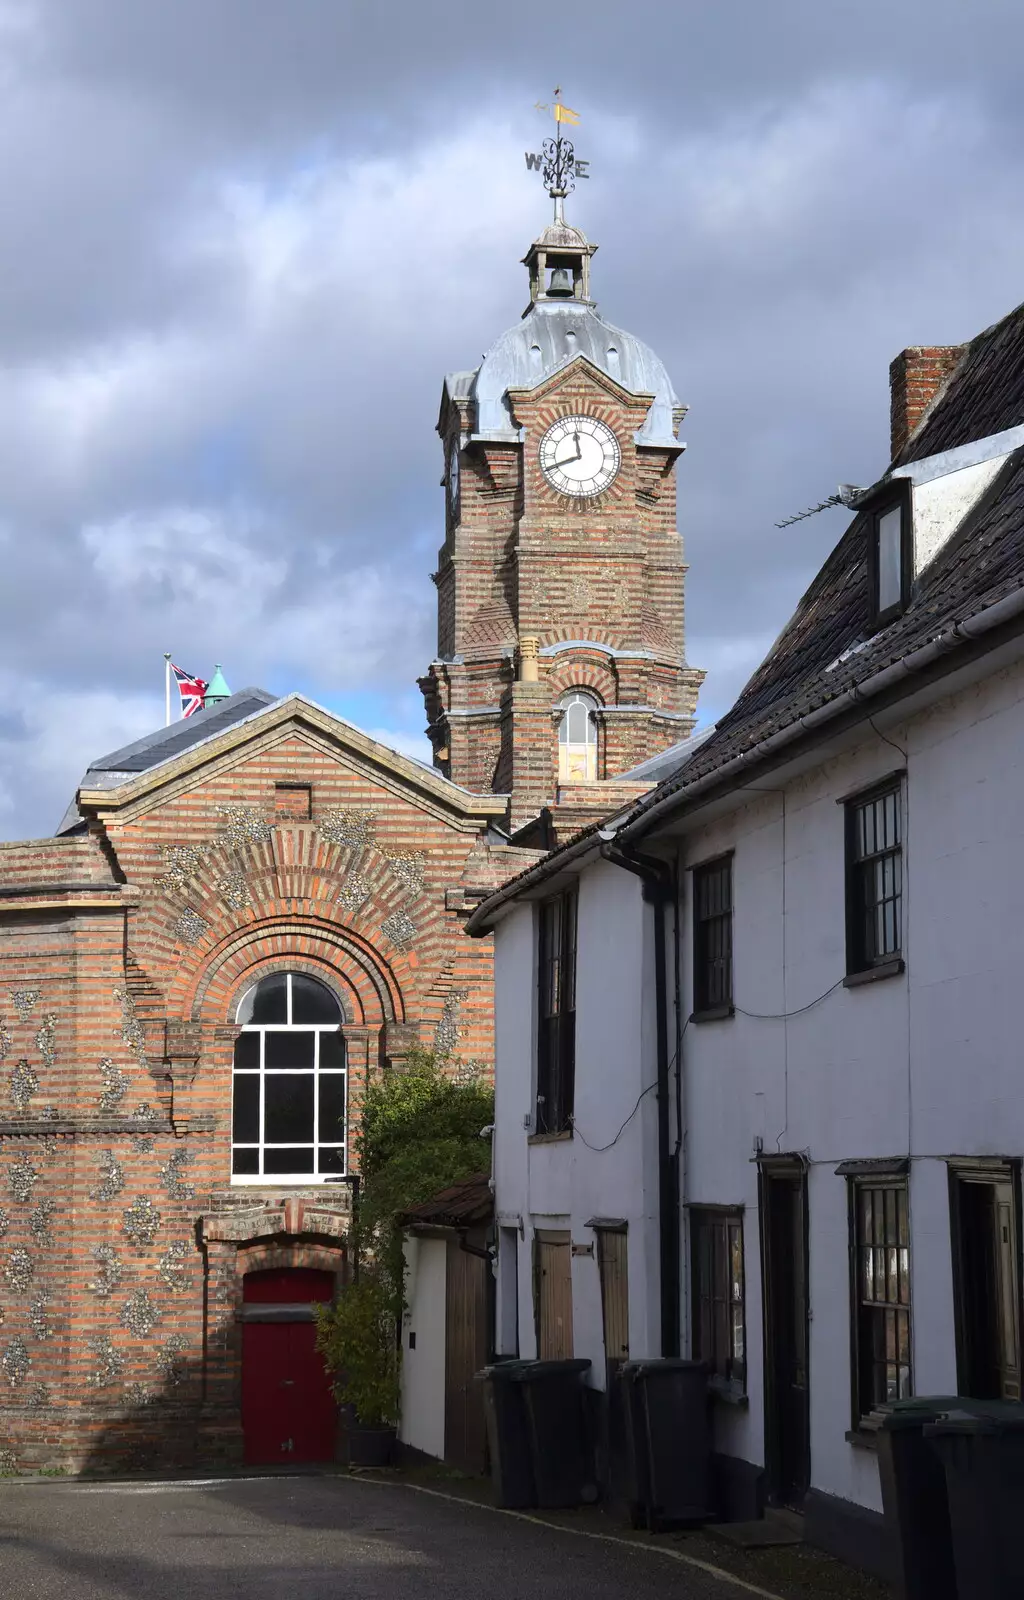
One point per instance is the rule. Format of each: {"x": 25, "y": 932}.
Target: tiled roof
{"x": 984, "y": 394}
{"x": 823, "y": 652}
{"x": 458, "y": 1207}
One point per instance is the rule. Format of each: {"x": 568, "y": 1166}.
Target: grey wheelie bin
{"x": 508, "y": 1438}
{"x": 669, "y": 1452}
{"x": 561, "y": 1449}
{"x": 982, "y": 1452}
{"x": 914, "y": 1497}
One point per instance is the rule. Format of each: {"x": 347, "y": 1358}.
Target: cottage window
{"x": 288, "y": 1116}
{"x": 719, "y": 1320}
{"x": 889, "y": 563}
{"x": 577, "y": 739}
{"x": 874, "y": 880}
{"x": 556, "y": 1040}
{"x": 712, "y": 937}
{"x": 880, "y": 1277}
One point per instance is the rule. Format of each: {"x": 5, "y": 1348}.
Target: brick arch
{"x": 583, "y": 672}
{"x": 377, "y": 986}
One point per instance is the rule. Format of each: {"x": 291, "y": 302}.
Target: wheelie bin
{"x": 561, "y": 1449}
{"x": 982, "y": 1452}
{"x": 508, "y": 1437}
{"x": 914, "y": 1499}
{"x": 670, "y": 1448}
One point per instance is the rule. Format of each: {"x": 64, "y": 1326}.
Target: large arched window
{"x": 288, "y": 1117}
{"x": 577, "y": 738}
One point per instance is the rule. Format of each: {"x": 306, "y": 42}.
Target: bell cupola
{"x": 559, "y": 266}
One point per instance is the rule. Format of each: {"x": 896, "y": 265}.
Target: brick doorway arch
{"x": 289, "y": 1414}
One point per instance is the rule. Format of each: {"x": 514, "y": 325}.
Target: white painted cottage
{"x": 760, "y": 1038}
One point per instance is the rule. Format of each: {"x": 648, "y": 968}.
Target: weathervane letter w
{"x": 533, "y": 162}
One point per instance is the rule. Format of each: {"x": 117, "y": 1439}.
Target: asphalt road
{"x": 327, "y": 1538}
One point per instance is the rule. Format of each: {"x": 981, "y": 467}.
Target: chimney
{"x": 915, "y": 378}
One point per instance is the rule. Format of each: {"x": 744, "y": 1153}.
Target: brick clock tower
{"x": 561, "y": 661}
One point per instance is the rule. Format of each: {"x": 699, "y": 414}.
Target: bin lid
{"x": 503, "y": 1371}
{"x": 528, "y": 1370}
{"x": 911, "y": 1413}
{"x": 990, "y": 1416}
{"x": 641, "y": 1369}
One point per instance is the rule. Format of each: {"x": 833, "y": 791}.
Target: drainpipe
{"x": 659, "y": 890}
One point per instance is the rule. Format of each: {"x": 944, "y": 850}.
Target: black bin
{"x": 914, "y": 1497}
{"x": 561, "y": 1451}
{"x": 669, "y": 1452}
{"x": 508, "y": 1436}
{"x": 628, "y": 1480}
{"x": 982, "y": 1452}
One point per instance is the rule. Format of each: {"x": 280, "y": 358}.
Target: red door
{"x": 289, "y": 1414}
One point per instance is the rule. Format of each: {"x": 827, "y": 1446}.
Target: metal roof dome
{"x": 553, "y": 334}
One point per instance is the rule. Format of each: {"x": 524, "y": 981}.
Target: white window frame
{"x": 261, "y": 1178}
{"x": 570, "y": 750}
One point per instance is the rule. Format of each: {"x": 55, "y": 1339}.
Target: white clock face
{"x": 579, "y": 455}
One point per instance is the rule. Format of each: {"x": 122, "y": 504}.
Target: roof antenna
{"x": 846, "y": 495}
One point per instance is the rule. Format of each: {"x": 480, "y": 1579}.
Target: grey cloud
{"x": 244, "y": 241}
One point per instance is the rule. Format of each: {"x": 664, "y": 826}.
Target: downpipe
{"x": 658, "y": 880}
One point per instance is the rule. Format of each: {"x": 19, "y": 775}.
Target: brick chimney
{"x": 915, "y": 378}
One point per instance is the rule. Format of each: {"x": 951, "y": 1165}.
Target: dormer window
{"x": 577, "y": 739}
{"x": 889, "y": 555}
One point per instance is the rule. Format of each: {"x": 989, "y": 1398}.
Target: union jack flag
{"x": 192, "y": 691}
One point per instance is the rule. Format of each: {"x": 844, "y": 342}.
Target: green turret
{"x": 217, "y": 689}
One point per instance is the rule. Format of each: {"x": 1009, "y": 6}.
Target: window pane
{"x": 282, "y": 1159}
{"x": 332, "y": 1050}
{"x": 332, "y": 1106}
{"x": 288, "y": 1111}
{"x": 247, "y": 1051}
{"x": 245, "y": 1122}
{"x": 270, "y": 1001}
{"x": 288, "y": 1052}
{"x": 890, "y": 547}
{"x": 330, "y": 1159}
{"x": 246, "y": 1163}
{"x": 312, "y": 1001}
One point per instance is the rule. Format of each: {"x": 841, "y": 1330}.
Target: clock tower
{"x": 561, "y": 661}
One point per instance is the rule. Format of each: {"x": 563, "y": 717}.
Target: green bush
{"x": 420, "y": 1133}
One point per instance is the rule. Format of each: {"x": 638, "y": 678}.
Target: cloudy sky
{"x": 242, "y": 241}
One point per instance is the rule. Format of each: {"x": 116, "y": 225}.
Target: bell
{"x": 561, "y": 283}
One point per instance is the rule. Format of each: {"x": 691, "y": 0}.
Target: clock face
{"x": 579, "y": 455}
{"x": 453, "y": 480}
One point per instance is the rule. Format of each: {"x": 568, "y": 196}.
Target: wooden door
{"x": 613, "y": 1266}
{"x": 553, "y": 1295}
{"x": 786, "y": 1307}
{"x": 987, "y": 1285}
{"x": 467, "y": 1316}
{"x": 289, "y": 1413}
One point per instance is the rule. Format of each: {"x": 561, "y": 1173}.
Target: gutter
{"x": 659, "y": 891}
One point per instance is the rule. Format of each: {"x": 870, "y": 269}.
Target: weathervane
{"x": 557, "y": 161}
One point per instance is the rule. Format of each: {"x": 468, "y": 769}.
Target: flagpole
{"x": 167, "y": 688}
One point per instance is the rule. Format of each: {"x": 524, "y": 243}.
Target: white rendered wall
{"x": 423, "y": 1368}
{"x": 926, "y": 1064}
{"x": 561, "y": 1183}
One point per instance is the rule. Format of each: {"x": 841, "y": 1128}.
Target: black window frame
{"x": 714, "y": 1280}
{"x": 898, "y": 496}
{"x": 556, "y": 1011}
{"x": 712, "y": 939}
{"x": 875, "y": 1320}
{"x": 862, "y": 952}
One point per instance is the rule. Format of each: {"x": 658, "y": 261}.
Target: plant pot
{"x": 370, "y": 1447}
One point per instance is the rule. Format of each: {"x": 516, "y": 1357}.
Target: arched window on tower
{"x": 577, "y": 738}
{"x": 288, "y": 1112}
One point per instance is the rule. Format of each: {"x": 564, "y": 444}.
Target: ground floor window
{"x": 288, "y": 1113}
{"x": 719, "y": 1319}
{"x": 880, "y": 1277}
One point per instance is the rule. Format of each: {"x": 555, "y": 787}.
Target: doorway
{"x": 289, "y": 1413}
{"x": 784, "y": 1262}
{"x": 553, "y": 1294}
{"x": 987, "y": 1279}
